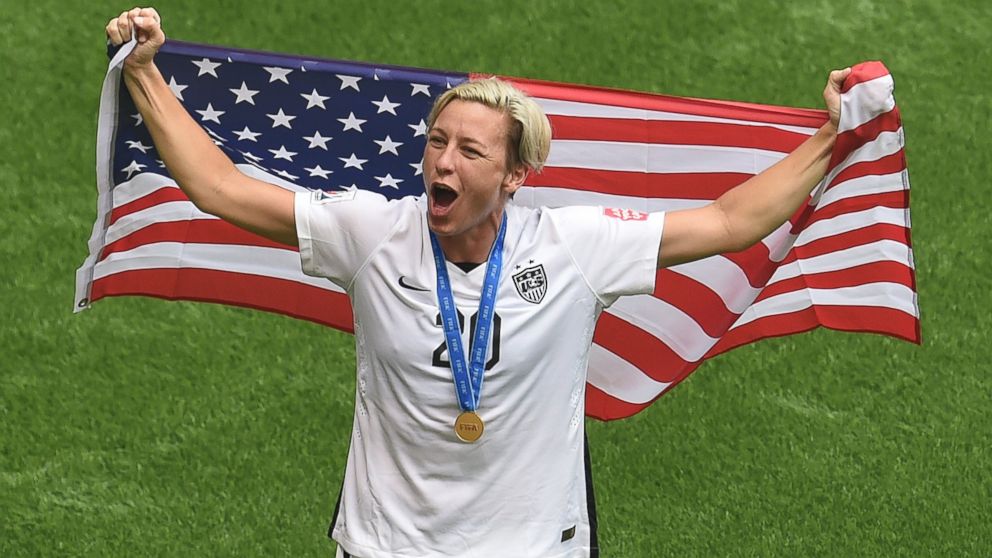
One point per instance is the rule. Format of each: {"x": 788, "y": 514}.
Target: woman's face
{"x": 465, "y": 168}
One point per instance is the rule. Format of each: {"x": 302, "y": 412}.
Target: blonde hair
{"x": 530, "y": 132}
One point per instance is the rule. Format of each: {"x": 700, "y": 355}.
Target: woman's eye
{"x": 471, "y": 152}
{"x": 437, "y": 141}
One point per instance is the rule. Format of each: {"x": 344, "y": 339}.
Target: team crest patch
{"x": 321, "y": 197}
{"x": 531, "y": 283}
{"x": 625, "y": 214}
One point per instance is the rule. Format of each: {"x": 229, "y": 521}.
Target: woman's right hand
{"x": 148, "y": 25}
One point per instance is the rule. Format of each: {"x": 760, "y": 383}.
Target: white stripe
{"x": 168, "y": 212}
{"x": 865, "y": 101}
{"x": 672, "y": 326}
{"x": 251, "y": 260}
{"x": 852, "y": 221}
{"x": 879, "y": 251}
{"x": 148, "y": 182}
{"x": 863, "y": 186}
{"x": 723, "y": 277}
{"x": 558, "y": 107}
{"x": 658, "y": 158}
{"x": 621, "y": 379}
{"x": 881, "y": 295}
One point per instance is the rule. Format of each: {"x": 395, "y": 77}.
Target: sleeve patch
{"x": 320, "y": 197}
{"x": 625, "y": 214}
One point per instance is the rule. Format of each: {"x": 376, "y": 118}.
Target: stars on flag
{"x": 381, "y": 114}
{"x": 385, "y": 106}
{"x": 138, "y": 145}
{"x": 283, "y": 153}
{"x": 349, "y": 81}
{"x": 206, "y": 66}
{"x": 247, "y": 134}
{"x": 133, "y": 168}
{"x": 281, "y": 119}
{"x": 244, "y": 95}
{"x": 315, "y": 99}
{"x": 317, "y": 140}
{"x": 210, "y": 115}
{"x": 389, "y": 181}
{"x": 353, "y": 162}
{"x": 176, "y": 88}
{"x": 317, "y": 171}
{"x": 278, "y": 74}
{"x": 388, "y": 145}
{"x": 352, "y": 123}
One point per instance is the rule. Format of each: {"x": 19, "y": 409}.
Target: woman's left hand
{"x": 831, "y": 93}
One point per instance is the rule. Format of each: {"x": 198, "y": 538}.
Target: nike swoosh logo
{"x": 406, "y": 285}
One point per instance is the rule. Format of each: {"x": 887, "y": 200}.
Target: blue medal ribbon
{"x": 468, "y": 377}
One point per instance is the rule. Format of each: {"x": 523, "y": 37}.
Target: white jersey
{"x": 411, "y": 488}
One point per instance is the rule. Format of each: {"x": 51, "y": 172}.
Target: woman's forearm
{"x": 757, "y": 207}
{"x": 198, "y": 166}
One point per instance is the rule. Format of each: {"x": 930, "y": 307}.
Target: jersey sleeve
{"x": 339, "y": 231}
{"x": 615, "y": 250}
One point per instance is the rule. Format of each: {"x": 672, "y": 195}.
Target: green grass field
{"x": 144, "y": 427}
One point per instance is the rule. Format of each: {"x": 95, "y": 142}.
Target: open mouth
{"x": 442, "y": 196}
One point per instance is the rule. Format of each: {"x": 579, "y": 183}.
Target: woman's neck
{"x": 473, "y": 245}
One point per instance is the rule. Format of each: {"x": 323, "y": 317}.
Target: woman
{"x": 435, "y": 468}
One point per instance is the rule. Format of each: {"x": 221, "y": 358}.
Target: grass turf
{"x": 150, "y": 428}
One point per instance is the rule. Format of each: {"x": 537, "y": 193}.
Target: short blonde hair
{"x": 530, "y": 132}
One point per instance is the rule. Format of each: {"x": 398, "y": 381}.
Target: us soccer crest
{"x": 531, "y": 283}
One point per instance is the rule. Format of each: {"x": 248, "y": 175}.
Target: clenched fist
{"x": 831, "y": 93}
{"x": 146, "y": 23}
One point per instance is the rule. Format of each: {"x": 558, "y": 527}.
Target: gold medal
{"x": 469, "y": 427}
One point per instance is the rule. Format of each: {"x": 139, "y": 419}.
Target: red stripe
{"x": 853, "y": 139}
{"x": 849, "y": 239}
{"x": 238, "y": 289}
{"x": 865, "y": 71}
{"x": 691, "y": 186}
{"x": 600, "y": 405}
{"x": 638, "y": 347}
{"x": 853, "y": 204}
{"x": 673, "y": 132}
{"x": 755, "y": 262}
{"x": 875, "y": 272}
{"x": 197, "y": 231}
{"x": 863, "y": 319}
{"x": 890, "y": 164}
{"x": 698, "y": 301}
{"x": 164, "y": 194}
{"x": 766, "y": 114}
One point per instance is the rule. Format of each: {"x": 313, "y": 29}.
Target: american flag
{"x": 844, "y": 262}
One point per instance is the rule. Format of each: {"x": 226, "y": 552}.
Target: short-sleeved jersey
{"x": 411, "y": 488}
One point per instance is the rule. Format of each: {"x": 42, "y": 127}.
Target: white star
{"x": 250, "y": 156}
{"x": 244, "y": 94}
{"x": 138, "y": 119}
{"x": 247, "y": 134}
{"x": 388, "y": 145}
{"x": 278, "y": 74}
{"x": 210, "y": 114}
{"x": 351, "y": 123}
{"x": 286, "y": 175}
{"x": 353, "y": 162}
{"x": 388, "y": 180}
{"x": 160, "y": 163}
{"x": 419, "y": 129}
{"x": 133, "y": 168}
{"x": 206, "y": 67}
{"x": 176, "y": 88}
{"x": 351, "y": 188}
{"x": 420, "y": 88}
{"x": 349, "y": 81}
{"x": 315, "y": 99}
{"x": 385, "y": 106}
{"x": 317, "y": 171}
{"x": 317, "y": 140}
{"x": 418, "y": 168}
{"x": 280, "y": 119}
{"x": 282, "y": 153}
{"x": 138, "y": 145}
